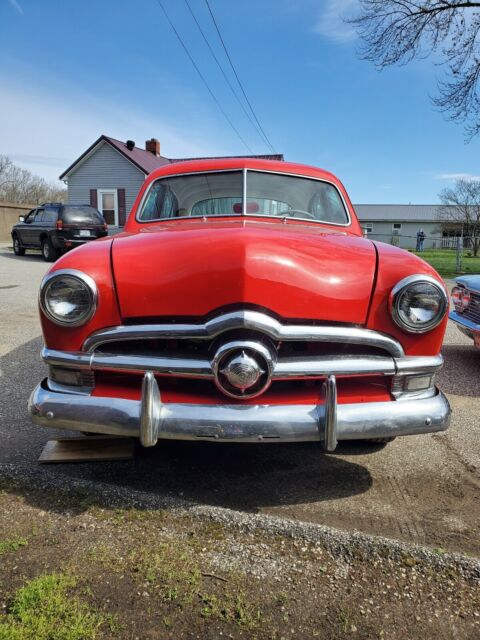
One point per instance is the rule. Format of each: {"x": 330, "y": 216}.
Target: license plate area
{"x": 84, "y": 233}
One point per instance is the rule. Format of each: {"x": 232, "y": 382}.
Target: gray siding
{"x": 407, "y": 235}
{"x": 106, "y": 168}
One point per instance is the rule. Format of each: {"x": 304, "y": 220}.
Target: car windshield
{"x": 81, "y": 215}
{"x": 222, "y": 194}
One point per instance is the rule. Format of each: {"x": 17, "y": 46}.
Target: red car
{"x": 242, "y": 304}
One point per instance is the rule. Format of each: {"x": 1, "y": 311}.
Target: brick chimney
{"x": 153, "y": 145}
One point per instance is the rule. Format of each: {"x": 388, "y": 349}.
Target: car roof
{"x": 222, "y": 164}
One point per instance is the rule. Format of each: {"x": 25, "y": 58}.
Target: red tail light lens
{"x": 59, "y": 225}
{"x": 461, "y": 298}
{"x": 466, "y": 298}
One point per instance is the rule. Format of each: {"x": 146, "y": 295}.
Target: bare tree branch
{"x": 397, "y": 31}
{"x": 461, "y": 204}
{"x": 21, "y": 186}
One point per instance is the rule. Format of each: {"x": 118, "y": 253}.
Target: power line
{"x": 236, "y": 76}
{"x": 227, "y": 80}
{"x": 202, "y": 76}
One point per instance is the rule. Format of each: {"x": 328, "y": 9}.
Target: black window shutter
{"x": 122, "y": 214}
{"x": 93, "y": 198}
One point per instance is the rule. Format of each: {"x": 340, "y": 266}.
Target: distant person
{"x": 420, "y": 239}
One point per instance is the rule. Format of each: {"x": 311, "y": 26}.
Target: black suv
{"x": 54, "y": 227}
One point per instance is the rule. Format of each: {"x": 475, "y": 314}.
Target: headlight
{"x": 418, "y": 303}
{"x": 68, "y": 297}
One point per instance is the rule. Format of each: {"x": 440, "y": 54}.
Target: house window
{"x": 108, "y": 205}
{"x": 367, "y": 227}
{"x": 396, "y": 228}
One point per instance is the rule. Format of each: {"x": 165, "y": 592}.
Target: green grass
{"x": 444, "y": 261}
{"x": 46, "y": 609}
{"x": 12, "y": 544}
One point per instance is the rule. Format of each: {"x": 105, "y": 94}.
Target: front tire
{"x": 48, "y": 252}
{"x": 18, "y": 250}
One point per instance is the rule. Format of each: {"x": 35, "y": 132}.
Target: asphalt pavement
{"x": 422, "y": 489}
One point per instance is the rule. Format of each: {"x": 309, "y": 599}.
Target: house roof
{"x": 145, "y": 160}
{"x": 398, "y": 212}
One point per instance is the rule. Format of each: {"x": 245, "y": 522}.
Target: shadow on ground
{"x": 247, "y": 477}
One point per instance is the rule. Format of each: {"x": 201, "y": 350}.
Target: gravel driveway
{"x": 422, "y": 489}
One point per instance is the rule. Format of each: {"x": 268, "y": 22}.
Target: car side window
{"x": 39, "y": 215}
{"x": 50, "y": 215}
{"x": 30, "y": 216}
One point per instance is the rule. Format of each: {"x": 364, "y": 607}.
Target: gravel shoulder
{"x": 143, "y": 572}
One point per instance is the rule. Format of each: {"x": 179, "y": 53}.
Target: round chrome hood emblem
{"x": 243, "y": 369}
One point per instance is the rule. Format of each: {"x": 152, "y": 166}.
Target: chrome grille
{"x": 472, "y": 312}
{"x": 291, "y": 352}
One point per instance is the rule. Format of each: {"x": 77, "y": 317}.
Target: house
{"x": 398, "y": 224}
{"x": 109, "y": 174}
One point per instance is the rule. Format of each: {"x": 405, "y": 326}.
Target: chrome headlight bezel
{"x": 85, "y": 281}
{"x": 402, "y": 287}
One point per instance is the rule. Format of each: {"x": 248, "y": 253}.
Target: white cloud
{"x": 331, "y": 22}
{"x": 457, "y": 176}
{"x": 44, "y": 131}
{"x": 16, "y": 6}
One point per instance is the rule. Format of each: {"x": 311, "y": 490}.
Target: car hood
{"x": 191, "y": 268}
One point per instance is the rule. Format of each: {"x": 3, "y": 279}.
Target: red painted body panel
{"x": 350, "y": 391}
{"x": 190, "y": 267}
{"x": 296, "y": 269}
{"x": 393, "y": 265}
{"x": 93, "y": 259}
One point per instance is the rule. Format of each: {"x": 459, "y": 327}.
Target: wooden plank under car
{"x": 87, "y": 449}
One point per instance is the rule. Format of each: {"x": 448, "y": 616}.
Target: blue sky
{"x": 73, "y": 69}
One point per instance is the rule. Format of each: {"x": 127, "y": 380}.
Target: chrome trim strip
{"x": 414, "y": 365}
{"x": 283, "y": 369}
{"x": 252, "y": 320}
{"x": 79, "y": 275}
{"x": 244, "y": 195}
{"x": 289, "y": 368}
{"x": 181, "y": 367}
{"x": 465, "y": 322}
{"x": 239, "y": 423}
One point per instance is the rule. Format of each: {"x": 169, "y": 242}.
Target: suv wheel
{"x": 18, "y": 250}
{"x": 48, "y": 252}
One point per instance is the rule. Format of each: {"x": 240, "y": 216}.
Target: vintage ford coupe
{"x": 242, "y": 304}
{"x": 466, "y": 303}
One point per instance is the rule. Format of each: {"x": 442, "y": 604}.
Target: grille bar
{"x": 284, "y": 369}
{"x": 248, "y": 320}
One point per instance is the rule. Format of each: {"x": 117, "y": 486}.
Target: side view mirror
{"x": 21, "y": 218}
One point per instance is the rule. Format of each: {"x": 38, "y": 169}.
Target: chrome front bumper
{"x": 150, "y": 419}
